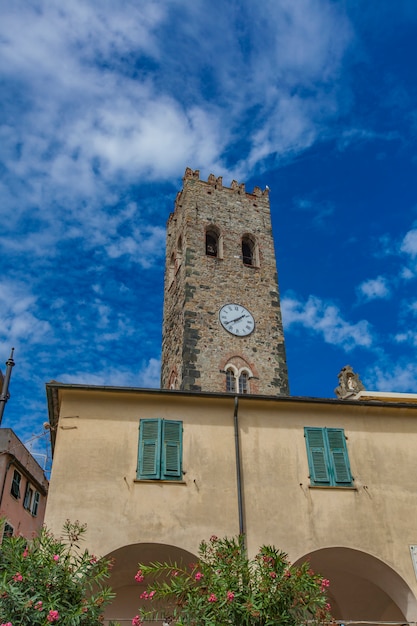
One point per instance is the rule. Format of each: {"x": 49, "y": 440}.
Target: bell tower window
{"x": 250, "y": 254}
{"x": 244, "y": 383}
{"x": 237, "y": 380}
{"x": 214, "y": 243}
{"x": 230, "y": 380}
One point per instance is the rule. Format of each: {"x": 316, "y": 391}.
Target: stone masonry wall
{"x": 195, "y": 345}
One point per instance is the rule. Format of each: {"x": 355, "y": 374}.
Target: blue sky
{"x": 102, "y": 107}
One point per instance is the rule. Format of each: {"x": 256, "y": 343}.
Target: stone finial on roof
{"x": 349, "y": 383}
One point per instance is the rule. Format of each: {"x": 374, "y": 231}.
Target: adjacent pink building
{"x": 23, "y": 488}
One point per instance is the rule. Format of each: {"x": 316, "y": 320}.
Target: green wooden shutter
{"x": 35, "y": 503}
{"x": 15, "y": 489}
{"x": 149, "y": 454}
{"x": 339, "y": 456}
{"x": 171, "y": 450}
{"x": 28, "y": 497}
{"x": 317, "y": 456}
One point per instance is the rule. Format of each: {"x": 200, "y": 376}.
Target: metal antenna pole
{"x": 5, "y": 391}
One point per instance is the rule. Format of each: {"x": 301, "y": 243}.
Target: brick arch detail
{"x": 238, "y": 361}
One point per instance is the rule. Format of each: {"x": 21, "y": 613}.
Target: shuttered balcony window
{"x": 328, "y": 457}
{"x": 160, "y": 450}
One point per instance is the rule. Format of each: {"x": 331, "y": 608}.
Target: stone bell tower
{"x": 222, "y": 328}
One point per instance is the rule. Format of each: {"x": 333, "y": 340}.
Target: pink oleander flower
{"x": 136, "y": 621}
{"x": 56, "y": 557}
{"x": 175, "y": 573}
{"x": 53, "y": 616}
{"x": 212, "y": 598}
{"x": 287, "y": 573}
{"x": 151, "y": 594}
{"x": 230, "y": 596}
{"x": 17, "y": 577}
{"x": 272, "y": 574}
{"x": 327, "y": 606}
{"x": 198, "y": 576}
{"x": 213, "y": 538}
{"x": 25, "y": 553}
{"x": 144, "y": 595}
{"x": 93, "y": 559}
{"x": 139, "y": 576}
{"x": 325, "y": 583}
{"x": 38, "y": 606}
{"x": 6, "y": 624}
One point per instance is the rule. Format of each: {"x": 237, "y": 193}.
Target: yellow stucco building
{"x": 359, "y": 532}
{"x": 223, "y": 449}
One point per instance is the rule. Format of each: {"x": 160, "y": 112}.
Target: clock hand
{"x": 237, "y": 319}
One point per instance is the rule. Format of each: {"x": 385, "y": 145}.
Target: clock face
{"x": 236, "y": 319}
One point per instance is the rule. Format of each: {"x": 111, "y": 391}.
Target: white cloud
{"x": 20, "y": 321}
{"x": 150, "y": 374}
{"x": 406, "y": 273}
{"x": 143, "y": 246}
{"x": 150, "y": 135}
{"x": 374, "y": 288}
{"x": 325, "y": 319}
{"x": 408, "y": 337}
{"x": 89, "y": 121}
{"x": 393, "y": 377}
{"x": 409, "y": 243}
{"x": 147, "y": 377}
{"x": 413, "y": 307}
{"x": 357, "y": 135}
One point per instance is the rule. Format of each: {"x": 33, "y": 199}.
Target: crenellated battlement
{"x": 217, "y": 183}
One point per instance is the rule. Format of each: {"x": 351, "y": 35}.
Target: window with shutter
{"x": 27, "y": 501}
{"x": 339, "y": 457}
{"x": 15, "y": 489}
{"x": 328, "y": 457}
{"x": 160, "y": 450}
{"x": 171, "y": 453}
{"x": 35, "y": 505}
{"x": 316, "y": 451}
{"x": 149, "y": 460}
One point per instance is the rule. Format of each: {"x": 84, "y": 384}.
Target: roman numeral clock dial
{"x": 236, "y": 319}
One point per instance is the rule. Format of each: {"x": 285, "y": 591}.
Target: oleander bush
{"x": 226, "y": 588}
{"x": 50, "y": 580}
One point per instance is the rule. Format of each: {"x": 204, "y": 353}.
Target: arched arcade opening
{"x": 362, "y": 587}
{"x": 122, "y": 579}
